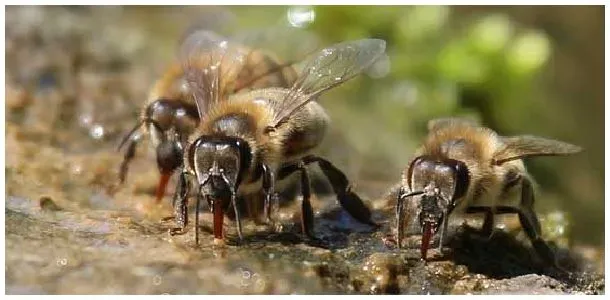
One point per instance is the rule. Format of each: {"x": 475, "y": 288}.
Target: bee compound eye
{"x": 161, "y": 112}
{"x": 169, "y": 156}
{"x": 185, "y": 124}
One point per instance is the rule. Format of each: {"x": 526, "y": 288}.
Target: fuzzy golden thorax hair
{"x": 254, "y": 118}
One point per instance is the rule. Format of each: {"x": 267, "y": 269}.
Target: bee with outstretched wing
{"x": 248, "y": 141}
{"x": 250, "y": 59}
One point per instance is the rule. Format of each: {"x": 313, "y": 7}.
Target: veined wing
{"x": 327, "y": 69}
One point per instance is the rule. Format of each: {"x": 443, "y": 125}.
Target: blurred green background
{"x": 518, "y": 70}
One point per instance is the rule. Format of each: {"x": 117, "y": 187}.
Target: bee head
{"x": 436, "y": 183}
{"x": 165, "y": 118}
{"x": 168, "y": 123}
{"x": 169, "y": 156}
{"x": 219, "y": 162}
{"x": 442, "y": 181}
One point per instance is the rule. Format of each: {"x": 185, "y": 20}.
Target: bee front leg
{"x": 133, "y": 137}
{"x": 180, "y": 202}
{"x": 130, "y": 153}
{"x": 237, "y": 216}
{"x": 349, "y": 200}
{"x": 442, "y": 233}
{"x": 268, "y": 190}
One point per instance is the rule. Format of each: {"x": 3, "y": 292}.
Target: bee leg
{"x": 306, "y": 209}
{"x": 132, "y": 137}
{"x": 180, "y": 202}
{"x": 237, "y": 217}
{"x": 268, "y": 190}
{"x": 197, "y": 202}
{"x": 442, "y": 234}
{"x": 531, "y": 225}
{"x": 273, "y": 211}
{"x": 130, "y": 153}
{"x": 399, "y": 217}
{"x": 348, "y": 199}
{"x": 527, "y": 218}
{"x": 488, "y": 223}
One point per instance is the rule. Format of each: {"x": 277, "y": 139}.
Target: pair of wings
{"x": 514, "y": 147}
{"x": 209, "y": 60}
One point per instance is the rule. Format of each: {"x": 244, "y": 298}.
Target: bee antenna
{"x": 411, "y": 194}
{"x": 130, "y": 134}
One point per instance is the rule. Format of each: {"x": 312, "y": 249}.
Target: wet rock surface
{"x": 70, "y": 229}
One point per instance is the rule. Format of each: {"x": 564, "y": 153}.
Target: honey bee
{"x": 170, "y": 114}
{"x": 463, "y": 167}
{"x": 248, "y": 141}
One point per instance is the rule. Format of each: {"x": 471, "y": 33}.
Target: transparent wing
{"x": 518, "y": 147}
{"x": 287, "y": 43}
{"x": 210, "y": 62}
{"x": 274, "y": 53}
{"x": 215, "y": 65}
{"x": 327, "y": 69}
{"x": 439, "y": 123}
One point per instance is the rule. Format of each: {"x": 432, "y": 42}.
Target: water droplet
{"x": 97, "y": 131}
{"x": 301, "y": 16}
{"x": 62, "y": 261}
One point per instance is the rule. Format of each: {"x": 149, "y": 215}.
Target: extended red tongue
{"x": 218, "y": 215}
{"x": 425, "y": 240}
{"x": 162, "y": 185}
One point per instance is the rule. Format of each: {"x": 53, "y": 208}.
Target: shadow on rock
{"x": 502, "y": 256}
